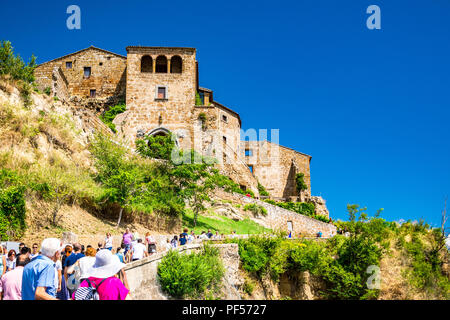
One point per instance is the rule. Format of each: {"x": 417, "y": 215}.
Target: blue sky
{"x": 370, "y": 106}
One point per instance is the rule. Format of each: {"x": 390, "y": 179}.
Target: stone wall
{"x": 275, "y": 168}
{"x": 60, "y": 85}
{"x": 277, "y": 218}
{"x": 142, "y": 274}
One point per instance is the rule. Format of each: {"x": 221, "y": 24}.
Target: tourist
{"x": 183, "y": 239}
{"x": 38, "y": 282}
{"x": 11, "y": 282}
{"x": 70, "y": 260}
{"x": 11, "y": 261}
{"x": 150, "y": 242}
{"x": 105, "y": 275}
{"x": 82, "y": 249}
{"x": 21, "y": 245}
{"x": 233, "y": 234}
{"x": 174, "y": 242}
{"x": 121, "y": 253}
{"x": 35, "y": 250}
{"x": 25, "y": 250}
{"x": 58, "y": 276}
{"x": 319, "y": 234}
{"x": 191, "y": 237}
{"x": 222, "y": 236}
{"x": 127, "y": 238}
{"x": 100, "y": 246}
{"x": 2, "y": 260}
{"x": 138, "y": 250}
{"x": 216, "y": 236}
{"x": 108, "y": 242}
{"x": 67, "y": 252}
{"x": 168, "y": 245}
{"x": 209, "y": 234}
{"x": 203, "y": 236}
{"x": 82, "y": 265}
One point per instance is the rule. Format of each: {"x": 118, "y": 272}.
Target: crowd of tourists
{"x": 54, "y": 270}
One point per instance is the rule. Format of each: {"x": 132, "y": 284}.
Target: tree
{"x": 121, "y": 177}
{"x": 14, "y": 66}
{"x": 300, "y": 182}
{"x": 195, "y": 182}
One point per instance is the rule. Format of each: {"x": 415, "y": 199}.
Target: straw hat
{"x": 106, "y": 265}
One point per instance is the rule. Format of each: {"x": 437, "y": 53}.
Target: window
{"x": 161, "y": 92}
{"x": 250, "y": 166}
{"x": 68, "y": 64}
{"x": 146, "y": 64}
{"x": 224, "y": 139}
{"x": 161, "y": 64}
{"x": 87, "y": 72}
{"x": 224, "y": 118}
{"x": 93, "y": 93}
{"x": 100, "y": 64}
{"x": 176, "y": 64}
{"x": 248, "y": 152}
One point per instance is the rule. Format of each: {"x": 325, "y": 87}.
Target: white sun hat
{"x": 106, "y": 265}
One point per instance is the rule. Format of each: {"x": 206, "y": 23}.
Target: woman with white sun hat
{"x": 106, "y": 276}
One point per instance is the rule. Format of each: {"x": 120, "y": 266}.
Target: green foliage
{"x": 221, "y": 224}
{"x": 157, "y": 147}
{"x": 25, "y": 93}
{"x": 229, "y": 185}
{"x": 14, "y": 66}
{"x": 47, "y": 91}
{"x": 190, "y": 275}
{"x": 248, "y": 286}
{"x": 256, "y": 209}
{"x": 262, "y": 191}
{"x": 198, "y": 99}
{"x": 108, "y": 116}
{"x": 12, "y": 205}
{"x": 304, "y": 208}
{"x": 300, "y": 182}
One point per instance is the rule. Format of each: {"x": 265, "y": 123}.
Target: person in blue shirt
{"x": 38, "y": 280}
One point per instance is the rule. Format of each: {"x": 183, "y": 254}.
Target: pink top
{"x": 11, "y": 284}
{"x": 127, "y": 238}
{"x": 111, "y": 289}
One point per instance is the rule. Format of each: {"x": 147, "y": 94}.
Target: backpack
{"x": 88, "y": 293}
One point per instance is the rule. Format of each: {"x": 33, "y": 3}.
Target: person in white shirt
{"x": 168, "y": 246}
{"x": 108, "y": 242}
{"x": 138, "y": 251}
{"x": 203, "y": 236}
{"x": 191, "y": 237}
{"x": 81, "y": 267}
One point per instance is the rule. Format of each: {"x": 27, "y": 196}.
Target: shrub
{"x": 157, "y": 147}
{"x": 47, "y": 91}
{"x": 256, "y": 209}
{"x": 108, "y": 116}
{"x": 300, "y": 182}
{"x": 12, "y": 205}
{"x": 262, "y": 191}
{"x": 190, "y": 275}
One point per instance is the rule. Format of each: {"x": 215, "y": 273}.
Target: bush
{"x": 108, "y": 116}
{"x": 262, "y": 191}
{"x": 190, "y": 275}
{"x": 12, "y": 206}
{"x": 256, "y": 209}
{"x": 157, "y": 147}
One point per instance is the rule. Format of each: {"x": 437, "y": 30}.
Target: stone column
{"x": 168, "y": 65}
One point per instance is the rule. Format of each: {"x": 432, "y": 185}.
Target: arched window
{"x": 176, "y": 64}
{"x": 161, "y": 64}
{"x": 146, "y": 64}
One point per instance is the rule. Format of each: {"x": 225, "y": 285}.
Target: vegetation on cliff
{"x": 191, "y": 275}
{"x": 346, "y": 265}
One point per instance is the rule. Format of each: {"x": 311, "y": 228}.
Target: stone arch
{"x": 176, "y": 64}
{"x": 161, "y": 64}
{"x": 161, "y": 131}
{"x": 146, "y": 64}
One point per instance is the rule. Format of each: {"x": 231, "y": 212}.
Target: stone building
{"x": 160, "y": 86}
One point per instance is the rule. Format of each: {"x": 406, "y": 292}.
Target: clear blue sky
{"x": 372, "y": 107}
